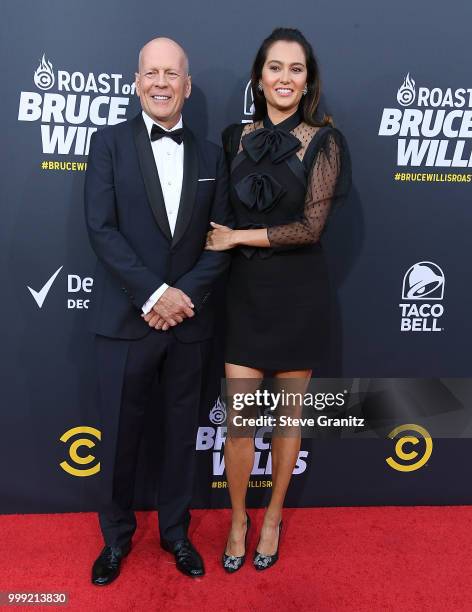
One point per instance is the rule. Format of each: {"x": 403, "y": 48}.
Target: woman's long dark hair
{"x": 309, "y": 102}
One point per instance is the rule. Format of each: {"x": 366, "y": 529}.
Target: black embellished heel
{"x": 231, "y": 563}
{"x": 262, "y": 562}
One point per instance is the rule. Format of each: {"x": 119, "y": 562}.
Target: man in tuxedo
{"x": 151, "y": 191}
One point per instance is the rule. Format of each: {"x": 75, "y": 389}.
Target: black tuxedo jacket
{"x": 129, "y": 230}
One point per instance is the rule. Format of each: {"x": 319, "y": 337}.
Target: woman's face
{"x": 284, "y": 75}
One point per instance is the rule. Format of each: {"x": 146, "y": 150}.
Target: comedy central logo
{"x": 218, "y": 413}
{"x": 81, "y": 463}
{"x": 71, "y": 105}
{"x": 431, "y": 125}
{"x": 406, "y": 445}
{"x": 423, "y": 288}
{"x": 406, "y": 93}
{"x": 213, "y": 439}
{"x": 44, "y": 76}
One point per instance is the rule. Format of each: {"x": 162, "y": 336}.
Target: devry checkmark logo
{"x": 40, "y": 296}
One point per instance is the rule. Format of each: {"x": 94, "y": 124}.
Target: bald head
{"x": 163, "y": 83}
{"x": 166, "y": 48}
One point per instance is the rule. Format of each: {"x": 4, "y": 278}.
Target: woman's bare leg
{"x": 239, "y": 458}
{"x": 285, "y": 448}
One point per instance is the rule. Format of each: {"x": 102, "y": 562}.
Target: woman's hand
{"x": 220, "y": 238}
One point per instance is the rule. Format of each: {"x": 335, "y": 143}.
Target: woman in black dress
{"x": 287, "y": 171}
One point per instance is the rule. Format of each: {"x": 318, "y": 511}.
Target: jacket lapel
{"x": 189, "y": 186}
{"x": 150, "y": 175}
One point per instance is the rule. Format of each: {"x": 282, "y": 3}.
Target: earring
{"x": 259, "y": 86}
{"x": 305, "y": 90}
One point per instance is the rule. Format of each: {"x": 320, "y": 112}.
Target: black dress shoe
{"x": 262, "y": 562}
{"x": 107, "y": 567}
{"x": 187, "y": 559}
{"x": 231, "y": 563}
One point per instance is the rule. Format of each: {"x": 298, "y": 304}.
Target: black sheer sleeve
{"x": 329, "y": 182}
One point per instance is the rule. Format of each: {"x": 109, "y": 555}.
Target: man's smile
{"x": 160, "y": 98}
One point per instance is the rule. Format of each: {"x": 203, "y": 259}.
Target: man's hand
{"x": 170, "y": 309}
{"x": 160, "y": 324}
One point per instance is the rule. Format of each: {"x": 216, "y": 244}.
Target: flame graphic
{"x": 44, "y": 75}
{"x": 406, "y": 93}
{"x": 218, "y": 413}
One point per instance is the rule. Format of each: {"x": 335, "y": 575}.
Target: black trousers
{"x": 127, "y": 370}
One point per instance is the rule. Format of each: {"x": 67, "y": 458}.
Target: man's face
{"x": 162, "y": 83}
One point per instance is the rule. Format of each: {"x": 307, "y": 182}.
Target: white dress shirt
{"x": 169, "y": 158}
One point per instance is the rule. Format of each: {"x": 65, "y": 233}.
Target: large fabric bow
{"x": 278, "y": 143}
{"x": 259, "y": 191}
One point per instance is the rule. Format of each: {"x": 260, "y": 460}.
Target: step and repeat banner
{"x": 398, "y": 251}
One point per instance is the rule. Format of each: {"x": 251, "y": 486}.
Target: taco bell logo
{"x": 424, "y": 282}
{"x": 248, "y": 110}
{"x": 406, "y": 93}
{"x": 44, "y": 75}
{"x": 248, "y": 100}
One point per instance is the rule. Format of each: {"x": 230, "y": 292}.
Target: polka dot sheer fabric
{"x": 323, "y": 187}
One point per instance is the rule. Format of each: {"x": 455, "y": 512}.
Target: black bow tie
{"x": 176, "y": 135}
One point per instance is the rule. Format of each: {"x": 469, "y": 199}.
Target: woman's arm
{"x": 320, "y": 193}
{"x": 222, "y": 238}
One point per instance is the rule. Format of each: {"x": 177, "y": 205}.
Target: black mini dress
{"x": 286, "y": 178}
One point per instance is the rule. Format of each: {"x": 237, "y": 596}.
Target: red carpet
{"x": 332, "y": 559}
